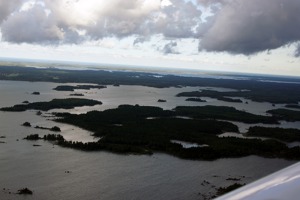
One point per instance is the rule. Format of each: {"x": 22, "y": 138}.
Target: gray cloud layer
{"x": 169, "y": 48}
{"x": 7, "y": 7}
{"x": 248, "y": 27}
{"x": 297, "y": 52}
{"x": 236, "y": 26}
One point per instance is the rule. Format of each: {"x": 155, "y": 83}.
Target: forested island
{"x": 54, "y": 128}
{"x": 222, "y": 96}
{"x": 224, "y": 113}
{"x": 77, "y": 95}
{"x": 196, "y": 99}
{"x": 146, "y": 129}
{"x": 78, "y": 87}
{"x": 53, "y": 104}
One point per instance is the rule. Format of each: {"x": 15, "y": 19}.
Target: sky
{"x": 252, "y": 36}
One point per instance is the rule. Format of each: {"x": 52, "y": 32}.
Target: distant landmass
{"x": 251, "y": 88}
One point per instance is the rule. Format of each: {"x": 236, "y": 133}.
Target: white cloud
{"x": 234, "y": 26}
{"x": 98, "y": 19}
{"x": 33, "y": 25}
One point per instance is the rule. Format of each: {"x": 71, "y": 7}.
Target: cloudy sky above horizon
{"x": 256, "y": 36}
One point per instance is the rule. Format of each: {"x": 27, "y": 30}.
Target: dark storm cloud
{"x": 247, "y": 27}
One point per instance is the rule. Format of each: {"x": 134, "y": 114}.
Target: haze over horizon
{"x": 219, "y": 35}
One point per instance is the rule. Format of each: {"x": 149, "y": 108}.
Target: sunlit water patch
{"x": 188, "y": 145}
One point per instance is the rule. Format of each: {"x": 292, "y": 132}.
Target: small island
{"x": 26, "y": 124}
{"x": 77, "y": 94}
{"x": 77, "y": 87}
{"x": 32, "y": 137}
{"x": 195, "y": 99}
{"x": 49, "y": 137}
{"x": 25, "y": 191}
{"x": 54, "y": 128}
{"x": 221, "y": 96}
{"x": 161, "y": 100}
{"x": 53, "y": 104}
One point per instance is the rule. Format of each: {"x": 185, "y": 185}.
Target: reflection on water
{"x": 243, "y": 127}
{"x": 230, "y": 134}
{"x": 102, "y": 175}
{"x": 188, "y": 144}
{"x": 238, "y": 135}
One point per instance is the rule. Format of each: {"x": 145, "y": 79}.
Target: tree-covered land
{"x": 285, "y": 114}
{"x": 49, "y": 137}
{"x": 54, "y": 128}
{"x": 53, "y": 104}
{"x": 32, "y": 137}
{"x": 128, "y": 129}
{"x": 25, "y": 191}
{"x": 258, "y": 94}
{"x": 296, "y": 106}
{"x": 77, "y": 95}
{"x": 222, "y": 96}
{"x": 224, "y": 113}
{"x": 251, "y": 88}
{"x": 26, "y": 124}
{"x": 195, "y": 99}
{"x": 223, "y": 190}
{"x": 161, "y": 100}
{"x": 287, "y": 135}
{"x": 78, "y": 87}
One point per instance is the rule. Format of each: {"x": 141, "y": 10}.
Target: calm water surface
{"x": 103, "y": 175}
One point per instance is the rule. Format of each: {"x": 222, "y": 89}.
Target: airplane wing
{"x": 284, "y": 184}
